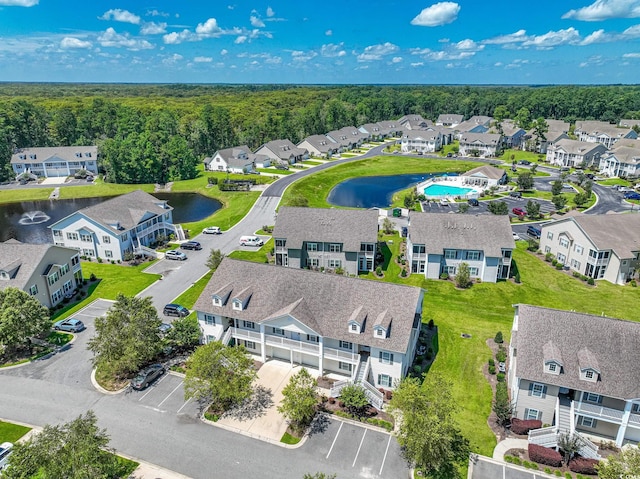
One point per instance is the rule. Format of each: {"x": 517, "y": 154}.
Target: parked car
{"x": 632, "y": 195}
{"x": 515, "y": 194}
{"x": 70, "y": 325}
{"x": 404, "y": 231}
{"x": 473, "y": 202}
{"x": 534, "y": 232}
{"x": 212, "y": 230}
{"x": 282, "y": 167}
{"x": 89, "y": 179}
{"x": 449, "y": 155}
{"x": 515, "y": 236}
{"x": 565, "y": 168}
{"x": 6, "y": 448}
{"x": 590, "y": 176}
{"x": 524, "y": 162}
{"x": 519, "y": 212}
{"x": 251, "y": 241}
{"x": 175, "y": 254}
{"x": 191, "y": 245}
{"x": 147, "y": 376}
{"x": 164, "y": 328}
{"x": 173, "y": 309}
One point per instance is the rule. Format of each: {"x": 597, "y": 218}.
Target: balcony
{"x": 634, "y": 420}
{"x": 600, "y": 412}
{"x": 292, "y": 344}
{"x": 245, "y": 334}
{"x": 341, "y": 355}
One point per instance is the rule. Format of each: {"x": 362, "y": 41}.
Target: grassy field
{"x": 520, "y": 155}
{"x": 10, "y": 432}
{"x": 275, "y": 171}
{"x": 191, "y": 295}
{"x": 257, "y": 256}
{"x": 316, "y": 187}
{"x": 614, "y": 182}
{"x": 450, "y": 148}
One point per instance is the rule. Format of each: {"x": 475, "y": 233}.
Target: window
{"x": 588, "y": 374}
{"x": 68, "y": 286}
{"x": 75, "y": 260}
{"x": 450, "y": 254}
{"x": 106, "y": 239}
{"x": 210, "y": 320}
{"x": 419, "y": 248}
{"x": 473, "y": 271}
{"x": 335, "y": 247}
{"x": 386, "y": 357}
{"x": 249, "y": 324}
{"x": 384, "y": 380}
{"x": 346, "y": 345}
{"x": 85, "y": 237}
{"x": 125, "y": 236}
{"x": 380, "y": 332}
{"x": 547, "y": 249}
{"x": 249, "y": 344}
{"x": 312, "y": 338}
{"x": 552, "y": 367}
{"x": 108, "y": 253}
{"x": 530, "y": 413}
{"x": 313, "y": 262}
{"x": 345, "y": 366}
{"x": 578, "y": 249}
{"x": 72, "y": 236}
{"x": 366, "y": 247}
{"x": 561, "y": 258}
{"x": 312, "y": 246}
{"x": 335, "y": 263}
{"x": 57, "y": 233}
{"x": 635, "y": 408}
{"x": 354, "y": 327}
{"x": 64, "y": 269}
{"x": 564, "y": 242}
{"x": 280, "y": 243}
{"x": 278, "y": 331}
{"x": 217, "y": 301}
{"x": 237, "y": 304}
{"x": 33, "y": 290}
{"x": 594, "y": 398}
{"x": 450, "y": 270}
{"x": 538, "y": 389}
{"x": 575, "y": 264}
{"x": 473, "y": 255}
{"x": 52, "y": 278}
{"x": 55, "y": 297}
{"x": 549, "y": 235}
{"x": 588, "y": 422}
{"x": 88, "y": 252}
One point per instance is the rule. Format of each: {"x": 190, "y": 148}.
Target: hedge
{"x": 521, "y": 426}
{"x": 584, "y": 465}
{"x": 544, "y": 455}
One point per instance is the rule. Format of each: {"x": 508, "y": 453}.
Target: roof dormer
{"x": 589, "y": 369}
{"x": 240, "y": 300}
{"x": 552, "y": 358}
{"x": 357, "y": 320}
{"x": 382, "y": 325}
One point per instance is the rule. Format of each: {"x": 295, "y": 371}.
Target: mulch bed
{"x": 500, "y": 432}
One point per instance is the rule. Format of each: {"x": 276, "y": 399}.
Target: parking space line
{"x": 182, "y": 407}
{"x": 335, "y": 439}
{"x": 169, "y": 395}
{"x": 359, "y": 447}
{"x": 384, "y": 458}
{"x": 152, "y": 388}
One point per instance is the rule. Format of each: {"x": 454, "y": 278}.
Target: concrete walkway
{"x": 503, "y": 446}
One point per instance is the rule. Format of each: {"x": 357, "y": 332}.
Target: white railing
{"x": 346, "y": 356}
{"x": 599, "y": 411}
{"x": 587, "y": 448}
{"x": 634, "y": 419}
{"x": 226, "y": 337}
{"x": 146, "y": 251}
{"x": 244, "y": 334}
{"x": 292, "y": 344}
{"x": 375, "y": 397}
{"x": 354, "y": 371}
{"x": 338, "y": 386}
{"x": 546, "y": 436}
{"x": 179, "y": 231}
{"x": 367, "y": 368}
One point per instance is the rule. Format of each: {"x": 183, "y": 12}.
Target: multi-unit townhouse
{"x": 238, "y": 159}
{"x": 598, "y": 246}
{"x": 449, "y": 120}
{"x": 439, "y": 242}
{"x": 391, "y": 128}
{"x": 602, "y": 132}
{"x": 282, "y": 151}
{"x": 577, "y": 373}
{"x": 320, "y": 146}
{"x": 373, "y": 131}
{"x": 480, "y": 144}
{"x": 326, "y": 239}
{"x": 623, "y": 160}
{"x": 366, "y": 331}
{"x": 348, "y": 137}
{"x": 414, "y": 122}
{"x": 512, "y": 136}
{"x": 128, "y": 223}
{"x": 475, "y": 124}
{"x": 45, "y": 271}
{"x": 485, "y": 176}
{"x": 421, "y": 141}
{"x": 58, "y": 161}
{"x": 574, "y": 153}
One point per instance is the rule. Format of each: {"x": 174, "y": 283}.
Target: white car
{"x": 212, "y": 230}
{"x": 6, "y": 448}
{"x": 515, "y": 236}
{"x": 175, "y": 254}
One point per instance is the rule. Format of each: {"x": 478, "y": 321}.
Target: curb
{"x": 358, "y": 423}
{"x": 55, "y": 351}
{"x": 101, "y": 389}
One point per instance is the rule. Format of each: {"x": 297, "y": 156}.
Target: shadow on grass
{"x": 386, "y": 253}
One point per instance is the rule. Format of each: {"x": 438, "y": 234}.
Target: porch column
{"x": 263, "y": 345}
{"x": 321, "y": 355}
{"x": 622, "y": 430}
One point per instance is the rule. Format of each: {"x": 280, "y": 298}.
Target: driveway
{"x": 481, "y": 467}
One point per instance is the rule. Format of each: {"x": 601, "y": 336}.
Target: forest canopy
{"x": 159, "y": 133}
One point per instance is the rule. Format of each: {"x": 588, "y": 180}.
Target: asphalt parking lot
{"x": 481, "y": 467}
{"x": 165, "y": 395}
{"x": 435, "y": 207}
{"x": 89, "y": 313}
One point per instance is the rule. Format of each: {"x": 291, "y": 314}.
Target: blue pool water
{"x": 444, "y": 190}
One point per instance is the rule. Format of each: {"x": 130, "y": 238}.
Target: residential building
{"x": 576, "y": 372}
{"x": 45, "y": 271}
{"x": 512, "y": 136}
{"x": 421, "y": 141}
{"x": 623, "y": 160}
{"x": 58, "y": 161}
{"x": 574, "y": 153}
{"x": 556, "y": 131}
{"x": 602, "y": 132}
{"x": 449, "y": 120}
{"x": 438, "y": 242}
{"x": 447, "y": 134}
{"x": 414, "y": 122}
{"x": 485, "y": 176}
{"x": 373, "y": 131}
{"x": 598, "y": 246}
{"x": 238, "y": 159}
{"x": 320, "y": 146}
{"x": 365, "y": 331}
{"x": 282, "y": 151}
{"x": 391, "y": 128}
{"x": 475, "y": 124}
{"x": 625, "y": 123}
{"x": 348, "y": 137}
{"x": 483, "y": 145}
{"x": 129, "y": 223}
{"x": 326, "y": 239}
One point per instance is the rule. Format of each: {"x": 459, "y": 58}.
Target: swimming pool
{"x": 445, "y": 190}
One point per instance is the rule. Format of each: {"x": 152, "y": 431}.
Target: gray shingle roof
{"x": 611, "y": 343}
{"x": 322, "y": 143}
{"x": 551, "y": 352}
{"x": 440, "y": 231}
{"x": 486, "y": 170}
{"x": 26, "y": 257}
{"x": 430, "y": 134}
{"x": 578, "y": 147}
{"x": 284, "y": 149}
{"x": 489, "y": 139}
{"x": 324, "y": 302}
{"x": 67, "y": 153}
{"x": 473, "y": 122}
{"x": 446, "y": 118}
{"x": 625, "y": 154}
{"x": 349, "y": 227}
{"x": 599, "y": 127}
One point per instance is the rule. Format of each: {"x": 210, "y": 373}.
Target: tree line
{"x": 159, "y": 133}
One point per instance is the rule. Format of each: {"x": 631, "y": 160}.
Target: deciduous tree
{"x": 354, "y": 399}
{"x": 214, "y": 260}
{"x": 559, "y": 201}
{"x": 525, "y": 181}
{"x": 299, "y": 400}
{"x": 556, "y": 187}
{"x": 533, "y": 209}
{"x": 624, "y": 464}
{"x": 463, "y": 276}
{"x": 21, "y": 316}
{"x": 184, "y": 333}
{"x": 498, "y": 207}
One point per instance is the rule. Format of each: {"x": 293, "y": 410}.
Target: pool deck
{"x": 448, "y": 182}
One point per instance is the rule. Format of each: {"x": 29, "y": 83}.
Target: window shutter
{"x": 539, "y": 416}
{"x": 380, "y": 355}
{"x": 530, "y": 389}
{"x": 526, "y": 413}
{"x": 379, "y": 378}
{"x": 391, "y": 358}
{"x": 544, "y": 392}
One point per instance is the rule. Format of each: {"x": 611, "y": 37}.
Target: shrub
{"x": 444, "y": 276}
{"x": 583, "y": 277}
{"x": 591, "y": 282}
{"x": 576, "y": 274}
{"x": 92, "y": 277}
{"x": 544, "y": 455}
{"x": 517, "y": 461}
{"x": 379, "y": 271}
{"x": 491, "y": 362}
{"x": 584, "y": 465}
{"x": 633, "y": 283}
{"x": 508, "y": 459}
{"x": 403, "y": 273}
{"x": 522, "y": 426}
{"x": 547, "y": 470}
{"x": 500, "y": 377}
{"x": 517, "y": 278}
{"x": 492, "y": 369}
{"x": 554, "y": 262}
{"x": 568, "y": 475}
{"x": 430, "y": 325}
{"x": 499, "y": 339}
{"x": 559, "y": 266}
{"x": 501, "y": 355}
{"x": 548, "y": 257}
{"x": 558, "y": 473}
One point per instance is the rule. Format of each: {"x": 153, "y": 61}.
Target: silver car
{"x": 175, "y": 254}
{"x": 6, "y": 448}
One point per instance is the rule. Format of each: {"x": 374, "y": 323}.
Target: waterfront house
{"x": 55, "y": 161}
{"x": 282, "y": 151}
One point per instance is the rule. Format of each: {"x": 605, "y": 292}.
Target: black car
{"x": 524, "y": 162}
{"x": 515, "y": 194}
{"x": 147, "y": 376}
{"x": 405, "y": 231}
{"x": 173, "y": 309}
{"x": 473, "y": 202}
{"x": 191, "y": 245}
{"x": 533, "y": 231}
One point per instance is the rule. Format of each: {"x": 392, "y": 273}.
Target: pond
{"x": 28, "y": 221}
{"x": 372, "y": 191}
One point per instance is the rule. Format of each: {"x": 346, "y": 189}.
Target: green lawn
{"x": 316, "y": 187}
{"x": 312, "y": 163}
{"x": 275, "y": 171}
{"x": 289, "y": 439}
{"x": 191, "y": 295}
{"x": 521, "y": 155}
{"x": 614, "y": 182}
{"x": 257, "y": 256}
{"x": 10, "y": 432}
{"x": 450, "y": 148}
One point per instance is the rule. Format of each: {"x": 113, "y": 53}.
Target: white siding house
{"x": 59, "y": 161}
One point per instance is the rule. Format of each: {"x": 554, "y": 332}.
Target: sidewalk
{"x": 150, "y": 471}
{"x": 503, "y": 446}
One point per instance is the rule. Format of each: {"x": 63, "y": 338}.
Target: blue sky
{"x": 302, "y": 41}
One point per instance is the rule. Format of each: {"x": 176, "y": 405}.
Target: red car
{"x": 519, "y": 212}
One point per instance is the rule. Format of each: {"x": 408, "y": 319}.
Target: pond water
{"x": 372, "y": 191}
{"x": 28, "y": 221}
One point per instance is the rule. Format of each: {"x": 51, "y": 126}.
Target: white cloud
{"x": 396, "y": 59}
{"x": 172, "y": 59}
{"x": 376, "y": 52}
{"x": 203, "y": 59}
{"x": 553, "y": 39}
{"x": 156, "y": 13}
{"x": 270, "y": 12}
{"x": 224, "y": 52}
{"x": 71, "y": 42}
{"x": 153, "y": 28}
{"x": 110, "y": 38}
{"x": 444, "y": 40}
{"x": 175, "y": 38}
{"x": 328, "y": 32}
{"x": 440, "y": 55}
{"x": 497, "y": 64}
{"x": 468, "y": 45}
{"x": 256, "y": 22}
{"x": 417, "y": 64}
{"x": 517, "y": 37}
{"x": 119, "y": 15}
{"x": 440, "y": 13}
{"x": 605, "y": 10}
{"x": 599, "y": 36}
{"x": 18, "y": 3}
{"x": 240, "y": 39}
{"x": 209, "y": 28}
{"x": 333, "y": 50}
{"x": 631, "y": 55}
{"x": 301, "y": 56}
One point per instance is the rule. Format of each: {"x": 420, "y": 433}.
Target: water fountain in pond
{"x": 33, "y": 218}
